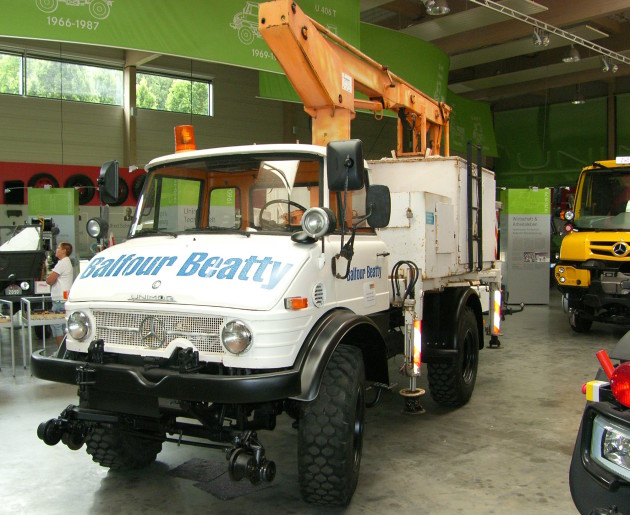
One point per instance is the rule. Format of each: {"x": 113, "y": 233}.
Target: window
{"x": 70, "y": 81}
{"x": 174, "y": 94}
{"x": 225, "y": 208}
{"x": 46, "y": 78}
{"x": 11, "y": 74}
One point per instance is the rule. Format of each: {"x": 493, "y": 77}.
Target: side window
{"x": 355, "y": 208}
{"x": 225, "y": 208}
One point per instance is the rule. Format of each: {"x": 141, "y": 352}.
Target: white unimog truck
{"x": 268, "y": 279}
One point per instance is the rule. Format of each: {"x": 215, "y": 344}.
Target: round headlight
{"x": 569, "y": 215}
{"x": 96, "y": 227}
{"x": 24, "y": 285}
{"x": 318, "y": 221}
{"x": 78, "y": 325}
{"x": 236, "y": 337}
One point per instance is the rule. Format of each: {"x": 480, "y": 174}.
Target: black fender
{"x": 441, "y": 312}
{"x": 336, "y": 327}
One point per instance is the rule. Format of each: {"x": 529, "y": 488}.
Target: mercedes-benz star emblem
{"x": 620, "y": 249}
{"x": 152, "y": 332}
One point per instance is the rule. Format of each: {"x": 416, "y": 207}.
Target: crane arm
{"x": 326, "y": 72}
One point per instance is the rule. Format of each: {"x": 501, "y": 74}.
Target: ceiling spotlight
{"x": 608, "y": 65}
{"x": 578, "y": 98}
{"x": 436, "y": 7}
{"x": 573, "y": 56}
{"x": 541, "y": 37}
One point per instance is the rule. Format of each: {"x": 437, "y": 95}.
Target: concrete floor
{"x": 507, "y": 451}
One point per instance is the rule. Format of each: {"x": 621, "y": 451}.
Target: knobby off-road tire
{"x": 330, "y": 436}
{"x": 121, "y": 451}
{"x": 451, "y": 383}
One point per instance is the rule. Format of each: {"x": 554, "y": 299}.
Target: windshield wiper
{"x": 153, "y": 232}
{"x": 218, "y": 229}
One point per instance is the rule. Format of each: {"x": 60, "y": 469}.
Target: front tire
{"x": 579, "y": 324}
{"x": 330, "y": 437}
{"x": 120, "y": 450}
{"x": 452, "y": 382}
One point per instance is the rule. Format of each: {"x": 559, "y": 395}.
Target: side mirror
{"x": 378, "y": 204}
{"x": 108, "y": 182}
{"x": 344, "y": 162}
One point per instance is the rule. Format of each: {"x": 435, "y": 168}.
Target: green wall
{"x": 549, "y": 145}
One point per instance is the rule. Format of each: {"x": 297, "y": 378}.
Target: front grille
{"x": 128, "y": 328}
{"x": 605, "y": 249}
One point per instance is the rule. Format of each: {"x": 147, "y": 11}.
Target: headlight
{"x": 24, "y": 285}
{"x": 236, "y": 337}
{"x": 569, "y": 215}
{"x": 610, "y": 446}
{"x": 318, "y": 221}
{"x": 96, "y": 227}
{"x": 78, "y": 325}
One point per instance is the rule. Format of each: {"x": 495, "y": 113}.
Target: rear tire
{"x": 451, "y": 383}
{"x": 330, "y": 436}
{"x": 119, "y": 450}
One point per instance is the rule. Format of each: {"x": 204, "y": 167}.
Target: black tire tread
{"x": 325, "y": 450}
{"x": 120, "y": 451}
{"x": 446, "y": 384}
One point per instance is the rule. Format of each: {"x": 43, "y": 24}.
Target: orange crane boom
{"x": 326, "y": 72}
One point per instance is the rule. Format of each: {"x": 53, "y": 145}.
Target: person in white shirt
{"x": 60, "y": 281}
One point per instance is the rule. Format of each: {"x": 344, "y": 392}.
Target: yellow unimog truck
{"x": 593, "y": 272}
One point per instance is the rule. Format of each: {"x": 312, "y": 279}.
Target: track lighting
{"x": 436, "y": 7}
{"x": 578, "y": 98}
{"x": 541, "y": 37}
{"x": 608, "y": 65}
{"x": 573, "y": 56}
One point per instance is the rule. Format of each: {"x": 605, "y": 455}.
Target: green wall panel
{"x": 549, "y": 145}
{"x": 201, "y": 29}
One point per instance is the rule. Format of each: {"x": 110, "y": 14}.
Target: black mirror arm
{"x": 347, "y": 252}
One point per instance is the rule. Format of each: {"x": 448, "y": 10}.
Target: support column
{"x": 611, "y": 121}
{"x": 130, "y": 113}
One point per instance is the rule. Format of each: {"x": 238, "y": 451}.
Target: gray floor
{"x": 506, "y": 451}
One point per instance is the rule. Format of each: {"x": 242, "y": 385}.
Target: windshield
{"x": 250, "y": 193}
{"x": 604, "y": 200}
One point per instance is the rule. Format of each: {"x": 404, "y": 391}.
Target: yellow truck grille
{"x": 156, "y": 331}
{"x": 613, "y": 249}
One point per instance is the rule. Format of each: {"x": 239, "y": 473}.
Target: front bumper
{"x": 593, "y": 485}
{"x": 169, "y": 384}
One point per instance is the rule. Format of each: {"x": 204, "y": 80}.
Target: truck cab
{"x": 593, "y": 272}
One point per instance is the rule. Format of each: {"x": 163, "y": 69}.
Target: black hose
{"x": 414, "y": 273}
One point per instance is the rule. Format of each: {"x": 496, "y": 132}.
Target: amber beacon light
{"x": 185, "y": 138}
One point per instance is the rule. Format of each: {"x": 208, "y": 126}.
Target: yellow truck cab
{"x": 593, "y": 272}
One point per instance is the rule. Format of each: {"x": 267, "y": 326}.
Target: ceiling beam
{"x": 561, "y": 13}
{"x": 543, "y": 85}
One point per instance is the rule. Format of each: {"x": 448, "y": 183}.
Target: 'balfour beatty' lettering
{"x": 198, "y": 263}
{"x": 127, "y": 265}
{"x": 252, "y": 268}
